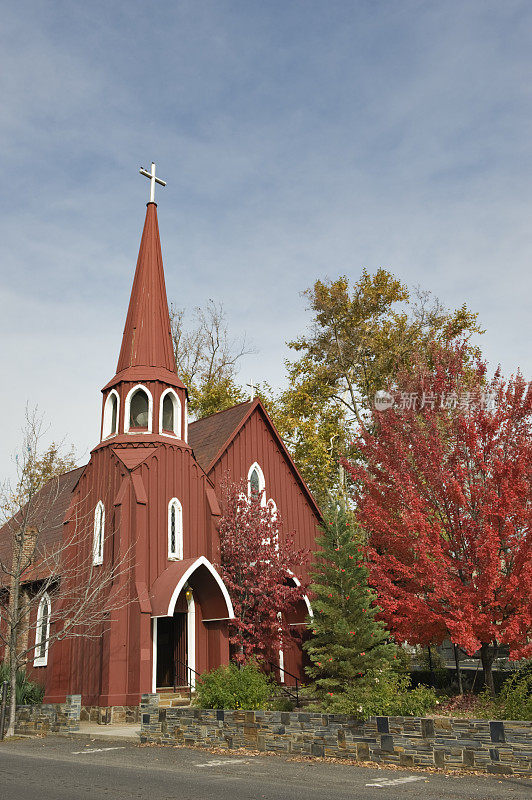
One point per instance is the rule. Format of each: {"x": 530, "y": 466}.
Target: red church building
{"x": 151, "y": 492}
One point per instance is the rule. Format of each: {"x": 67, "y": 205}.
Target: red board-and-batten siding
{"x": 136, "y": 519}
{"x": 255, "y": 442}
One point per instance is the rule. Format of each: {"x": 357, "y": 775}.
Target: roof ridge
{"x": 223, "y": 411}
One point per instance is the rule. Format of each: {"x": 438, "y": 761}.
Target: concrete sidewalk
{"x": 111, "y": 731}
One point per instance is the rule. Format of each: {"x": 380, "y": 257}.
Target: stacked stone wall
{"x": 110, "y": 715}
{"x": 52, "y": 718}
{"x": 490, "y": 746}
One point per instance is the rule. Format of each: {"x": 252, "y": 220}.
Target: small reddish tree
{"x": 257, "y": 559}
{"x": 444, "y": 491}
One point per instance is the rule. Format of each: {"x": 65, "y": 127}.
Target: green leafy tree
{"x": 346, "y": 640}
{"x": 359, "y": 337}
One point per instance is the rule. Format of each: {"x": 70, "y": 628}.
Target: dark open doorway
{"x": 172, "y": 651}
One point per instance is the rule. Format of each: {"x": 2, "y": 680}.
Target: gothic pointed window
{"x": 170, "y": 414}
{"x": 175, "y": 529}
{"x": 110, "y": 415}
{"x": 256, "y": 483}
{"x": 99, "y": 531}
{"x": 42, "y": 632}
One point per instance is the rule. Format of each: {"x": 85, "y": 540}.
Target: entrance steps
{"x": 177, "y": 699}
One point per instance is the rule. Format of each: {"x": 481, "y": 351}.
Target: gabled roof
{"x": 49, "y": 507}
{"x": 210, "y": 437}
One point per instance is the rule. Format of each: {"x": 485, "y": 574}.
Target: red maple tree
{"x": 257, "y": 560}
{"x": 444, "y": 491}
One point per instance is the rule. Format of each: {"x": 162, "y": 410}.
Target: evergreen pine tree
{"x": 346, "y": 640}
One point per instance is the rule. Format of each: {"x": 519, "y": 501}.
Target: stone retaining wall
{"x": 497, "y": 747}
{"x": 110, "y": 715}
{"x": 52, "y": 718}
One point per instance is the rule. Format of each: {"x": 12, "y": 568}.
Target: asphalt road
{"x": 76, "y": 769}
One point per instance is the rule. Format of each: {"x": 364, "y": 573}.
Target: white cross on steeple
{"x": 252, "y": 388}
{"x": 153, "y": 180}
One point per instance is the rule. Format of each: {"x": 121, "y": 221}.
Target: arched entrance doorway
{"x": 176, "y": 646}
{"x": 190, "y": 608}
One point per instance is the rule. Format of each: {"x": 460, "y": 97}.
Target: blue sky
{"x": 299, "y": 140}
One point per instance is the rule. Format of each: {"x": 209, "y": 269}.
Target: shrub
{"x": 383, "y": 693}
{"x": 282, "y": 704}
{"x": 28, "y": 692}
{"x": 234, "y": 687}
{"x": 515, "y": 699}
{"x": 516, "y": 695}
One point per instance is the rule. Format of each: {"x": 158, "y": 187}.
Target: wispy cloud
{"x": 298, "y": 140}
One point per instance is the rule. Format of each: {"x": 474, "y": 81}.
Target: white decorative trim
{"x": 108, "y": 415}
{"x": 305, "y": 597}
{"x": 177, "y": 414}
{"x": 154, "y": 656}
{"x": 42, "y": 637}
{"x": 201, "y": 561}
{"x": 127, "y": 409}
{"x": 99, "y": 533}
{"x": 281, "y": 666}
{"x": 191, "y": 637}
{"x": 262, "y": 482}
{"x": 186, "y": 420}
{"x": 176, "y": 554}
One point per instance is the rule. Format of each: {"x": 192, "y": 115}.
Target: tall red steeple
{"x": 147, "y": 341}
{"x": 146, "y": 396}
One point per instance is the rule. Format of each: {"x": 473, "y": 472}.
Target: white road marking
{"x": 396, "y": 781}
{"x": 222, "y": 763}
{"x": 95, "y": 750}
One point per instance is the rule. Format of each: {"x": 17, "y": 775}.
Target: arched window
{"x": 175, "y": 529}
{"x": 170, "y": 413}
{"x": 138, "y": 410}
{"x": 256, "y": 483}
{"x": 272, "y": 505}
{"x": 110, "y": 415}
{"x": 42, "y": 632}
{"x": 99, "y": 530}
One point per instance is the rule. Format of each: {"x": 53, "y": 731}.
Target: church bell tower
{"x": 146, "y": 400}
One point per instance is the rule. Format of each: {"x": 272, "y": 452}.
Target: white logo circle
{"x": 383, "y": 400}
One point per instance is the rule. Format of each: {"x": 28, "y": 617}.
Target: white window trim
{"x": 177, "y": 414}
{"x": 127, "y": 410}
{"x": 262, "y": 482}
{"x": 107, "y": 415}
{"x": 186, "y": 420}
{"x": 178, "y": 554}
{"x": 42, "y": 661}
{"x": 99, "y": 535}
{"x": 273, "y": 505}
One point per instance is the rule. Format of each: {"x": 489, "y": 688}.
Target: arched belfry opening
{"x": 139, "y": 410}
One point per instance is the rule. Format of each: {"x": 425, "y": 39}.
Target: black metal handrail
{"x": 284, "y": 687}
{"x": 189, "y": 676}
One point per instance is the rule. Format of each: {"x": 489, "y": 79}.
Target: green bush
{"x": 28, "y": 692}
{"x": 234, "y": 687}
{"x": 516, "y": 695}
{"x": 383, "y": 693}
{"x": 282, "y": 704}
{"x": 514, "y": 701}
